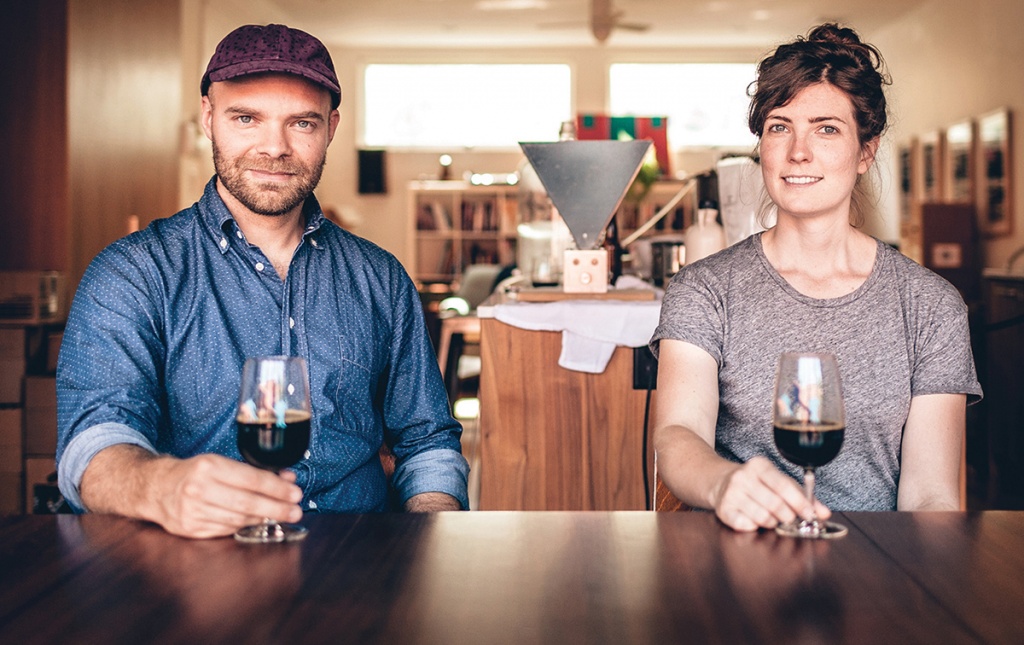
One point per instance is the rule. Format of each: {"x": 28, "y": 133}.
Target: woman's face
{"x": 810, "y": 155}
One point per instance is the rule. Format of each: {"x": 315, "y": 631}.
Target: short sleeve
{"x": 944, "y": 362}
{"x": 692, "y": 311}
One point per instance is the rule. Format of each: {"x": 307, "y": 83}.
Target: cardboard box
{"x": 10, "y": 494}
{"x": 11, "y": 443}
{"x": 12, "y": 371}
{"x": 12, "y": 343}
{"x": 40, "y": 415}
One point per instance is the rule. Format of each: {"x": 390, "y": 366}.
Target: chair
{"x": 387, "y": 463}
{"x": 664, "y": 500}
{"x": 459, "y": 322}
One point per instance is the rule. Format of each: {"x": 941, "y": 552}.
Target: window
{"x": 706, "y": 104}
{"x": 456, "y": 105}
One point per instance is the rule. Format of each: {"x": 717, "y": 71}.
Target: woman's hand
{"x": 757, "y": 495}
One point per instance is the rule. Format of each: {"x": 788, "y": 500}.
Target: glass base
{"x": 271, "y": 533}
{"x": 812, "y": 529}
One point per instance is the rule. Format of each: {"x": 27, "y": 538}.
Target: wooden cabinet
{"x": 555, "y": 439}
{"x": 456, "y": 224}
{"x": 1003, "y": 381}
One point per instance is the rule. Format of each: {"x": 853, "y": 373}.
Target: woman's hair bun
{"x": 833, "y": 33}
{"x": 844, "y": 39}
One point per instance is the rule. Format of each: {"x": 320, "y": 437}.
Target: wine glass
{"x": 273, "y": 428}
{"x": 809, "y": 420}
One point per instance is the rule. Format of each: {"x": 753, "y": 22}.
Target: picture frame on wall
{"x": 958, "y": 166}
{"x": 906, "y": 158}
{"x": 995, "y": 174}
{"x": 931, "y": 167}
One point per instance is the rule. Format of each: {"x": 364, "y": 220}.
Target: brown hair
{"x": 829, "y": 54}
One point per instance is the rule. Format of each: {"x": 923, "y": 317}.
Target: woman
{"x": 813, "y": 282}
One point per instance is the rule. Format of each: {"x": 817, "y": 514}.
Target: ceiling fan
{"x": 603, "y": 19}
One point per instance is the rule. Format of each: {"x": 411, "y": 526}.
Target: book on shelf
{"x": 442, "y": 220}
{"x": 447, "y": 265}
{"x": 425, "y": 218}
{"x": 479, "y": 216}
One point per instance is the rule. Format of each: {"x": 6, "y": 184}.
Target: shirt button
{"x": 223, "y": 243}
{"x": 305, "y": 455}
{"x": 259, "y": 266}
{"x": 312, "y": 504}
{"x": 291, "y": 325}
{"x": 239, "y": 234}
{"x": 313, "y": 242}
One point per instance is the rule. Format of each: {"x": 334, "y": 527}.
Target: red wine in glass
{"x": 273, "y": 429}
{"x": 809, "y": 420}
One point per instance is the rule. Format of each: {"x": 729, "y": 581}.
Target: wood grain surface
{"x": 555, "y": 439}
{"x": 517, "y": 577}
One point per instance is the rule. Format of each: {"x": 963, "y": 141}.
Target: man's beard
{"x": 267, "y": 198}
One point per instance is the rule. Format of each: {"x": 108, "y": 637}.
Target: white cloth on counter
{"x": 591, "y": 329}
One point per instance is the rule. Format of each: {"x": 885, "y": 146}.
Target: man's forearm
{"x": 116, "y": 481}
{"x": 432, "y": 502}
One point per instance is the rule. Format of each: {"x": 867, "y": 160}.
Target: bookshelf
{"x": 632, "y": 215}
{"x": 456, "y": 224}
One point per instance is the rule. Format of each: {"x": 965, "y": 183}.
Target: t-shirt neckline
{"x": 876, "y": 271}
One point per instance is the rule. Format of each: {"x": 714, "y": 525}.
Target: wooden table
{"x": 517, "y": 577}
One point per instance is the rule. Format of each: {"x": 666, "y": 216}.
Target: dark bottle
{"x": 615, "y": 251}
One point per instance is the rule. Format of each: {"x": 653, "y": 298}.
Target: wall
{"x": 124, "y": 84}
{"x": 33, "y": 128}
{"x": 955, "y": 60}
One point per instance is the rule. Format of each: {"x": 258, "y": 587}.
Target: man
{"x": 164, "y": 319}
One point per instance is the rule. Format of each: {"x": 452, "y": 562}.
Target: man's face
{"x": 270, "y": 134}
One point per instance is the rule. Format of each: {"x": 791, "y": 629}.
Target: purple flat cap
{"x": 253, "y": 49}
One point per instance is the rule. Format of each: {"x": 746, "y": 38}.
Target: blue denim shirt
{"x": 164, "y": 319}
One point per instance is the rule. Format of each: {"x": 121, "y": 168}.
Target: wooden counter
{"x": 555, "y": 439}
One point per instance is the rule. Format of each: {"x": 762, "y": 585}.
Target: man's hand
{"x": 431, "y": 502}
{"x": 200, "y": 497}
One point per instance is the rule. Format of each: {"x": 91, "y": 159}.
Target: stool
{"x": 449, "y": 348}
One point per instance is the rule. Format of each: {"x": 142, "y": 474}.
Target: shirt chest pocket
{"x": 354, "y": 384}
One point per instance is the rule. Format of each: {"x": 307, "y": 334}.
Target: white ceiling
{"x": 566, "y": 23}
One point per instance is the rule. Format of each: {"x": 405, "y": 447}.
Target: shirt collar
{"x": 214, "y": 212}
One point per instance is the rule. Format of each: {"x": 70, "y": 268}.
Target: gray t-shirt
{"x": 903, "y": 333}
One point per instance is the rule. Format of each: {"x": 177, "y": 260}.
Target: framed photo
{"x": 931, "y": 167}
{"x": 959, "y": 163}
{"x": 995, "y": 185}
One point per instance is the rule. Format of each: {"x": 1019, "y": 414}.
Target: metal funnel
{"x": 586, "y": 180}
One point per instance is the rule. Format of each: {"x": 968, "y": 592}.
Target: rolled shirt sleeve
{"x": 86, "y": 445}
{"x": 435, "y": 471}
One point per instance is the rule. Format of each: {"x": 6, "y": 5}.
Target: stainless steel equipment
{"x": 586, "y": 181}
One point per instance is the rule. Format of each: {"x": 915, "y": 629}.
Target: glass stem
{"x": 272, "y": 530}
{"x": 809, "y": 490}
